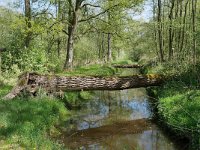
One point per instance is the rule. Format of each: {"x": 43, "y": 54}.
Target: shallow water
{"x": 118, "y": 120}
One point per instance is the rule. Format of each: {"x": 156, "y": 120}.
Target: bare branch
{"x": 65, "y": 31}
{"x": 90, "y": 5}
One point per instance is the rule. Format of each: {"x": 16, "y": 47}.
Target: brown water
{"x": 118, "y": 120}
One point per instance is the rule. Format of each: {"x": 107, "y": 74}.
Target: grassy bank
{"x": 179, "y": 104}
{"x": 30, "y": 122}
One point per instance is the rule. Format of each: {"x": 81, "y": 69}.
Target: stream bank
{"x": 178, "y": 101}
{"x": 177, "y": 111}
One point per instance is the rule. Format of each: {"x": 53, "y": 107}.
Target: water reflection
{"x": 116, "y": 120}
{"x": 111, "y": 106}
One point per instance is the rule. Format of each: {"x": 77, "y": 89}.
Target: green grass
{"x": 180, "y": 110}
{"x": 93, "y": 70}
{"x": 123, "y": 62}
{"x": 30, "y": 123}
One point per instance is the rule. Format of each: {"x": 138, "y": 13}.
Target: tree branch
{"x": 84, "y": 5}
{"x": 65, "y": 31}
{"x": 94, "y": 16}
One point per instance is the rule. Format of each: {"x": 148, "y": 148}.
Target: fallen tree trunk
{"x": 128, "y": 66}
{"x": 31, "y": 82}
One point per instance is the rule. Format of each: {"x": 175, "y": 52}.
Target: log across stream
{"x": 31, "y": 82}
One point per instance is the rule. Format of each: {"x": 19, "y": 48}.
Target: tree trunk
{"x": 170, "y": 31}
{"x": 28, "y": 22}
{"x": 58, "y": 46}
{"x": 109, "y": 48}
{"x": 32, "y": 82}
{"x": 109, "y": 58}
{"x": 70, "y": 48}
{"x": 155, "y": 28}
{"x": 194, "y": 3}
{"x": 184, "y": 26}
{"x": 73, "y": 21}
{"x": 160, "y": 40}
{"x": 103, "y": 48}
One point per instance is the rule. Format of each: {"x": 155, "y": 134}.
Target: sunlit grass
{"x": 123, "y": 62}
{"x": 30, "y": 123}
{"x": 93, "y": 70}
{"x": 179, "y": 107}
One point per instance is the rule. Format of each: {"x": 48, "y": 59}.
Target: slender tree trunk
{"x": 109, "y": 38}
{"x": 99, "y": 45}
{"x": 58, "y": 47}
{"x": 163, "y": 25}
{"x": 109, "y": 48}
{"x": 194, "y": 3}
{"x": 155, "y": 30}
{"x": 28, "y": 22}
{"x": 170, "y": 30}
{"x": 180, "y": 23}
{"x": 58, "y": 14}
{"x": 103, "y": 48}
{"x": 160, "y": 38}
{"x": 184, "y": 26}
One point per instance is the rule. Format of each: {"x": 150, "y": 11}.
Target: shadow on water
{"x": 119, "y": 120}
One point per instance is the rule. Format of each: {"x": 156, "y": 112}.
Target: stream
{"x": 118, "y": 120}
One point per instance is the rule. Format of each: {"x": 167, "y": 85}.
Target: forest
{"x": 59, "y": 56}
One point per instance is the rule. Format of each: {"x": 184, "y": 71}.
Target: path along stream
{"x": 116, "y": 120}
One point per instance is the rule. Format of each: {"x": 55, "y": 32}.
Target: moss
{"x": 85, "y": 95}
{"x": 22, "y": 81}
{"x": 153, "y": 76}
